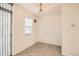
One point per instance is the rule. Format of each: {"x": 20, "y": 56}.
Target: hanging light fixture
{"x": 41, "y": 9}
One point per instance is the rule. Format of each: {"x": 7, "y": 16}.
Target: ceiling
{"x": 47, "y": 7}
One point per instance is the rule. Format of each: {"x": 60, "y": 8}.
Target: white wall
{"x": 49, "y": 29}
{"x": 70, "y": 35}
{"x": 20, "y": 40}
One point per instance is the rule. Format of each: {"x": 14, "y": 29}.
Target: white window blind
{"x": 5, "y": 29}
{"x": 28, "y": 25}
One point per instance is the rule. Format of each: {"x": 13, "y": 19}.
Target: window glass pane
{"x": 28, "y": 25}
{"x": 28, "y": 22}
{"x": 28, "y": 30}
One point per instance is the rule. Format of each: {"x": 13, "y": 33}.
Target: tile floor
{"x": 41, "y": 49}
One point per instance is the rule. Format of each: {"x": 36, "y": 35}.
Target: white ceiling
{"x": 47, "y": 7}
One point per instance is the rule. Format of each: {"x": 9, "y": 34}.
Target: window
{"x": 28, "y": 25}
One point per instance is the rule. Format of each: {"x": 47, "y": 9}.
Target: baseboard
{"x": 49, "y": 43}
{"x": 66, "y": 54}
{"x": 34, "y": 43}
{"x": 25, "y": 48}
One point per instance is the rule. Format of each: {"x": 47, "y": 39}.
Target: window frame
{"x": 27, "y": 26}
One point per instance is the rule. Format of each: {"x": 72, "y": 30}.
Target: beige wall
{"x": 20, "y": 40}
{"x": 70, "y": 35}
{"x": 49, "y": 29}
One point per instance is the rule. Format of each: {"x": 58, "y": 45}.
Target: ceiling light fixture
{"x": 41, "y": 9}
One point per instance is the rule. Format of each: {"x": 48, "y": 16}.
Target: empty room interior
{"x": 39, "y": 29}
